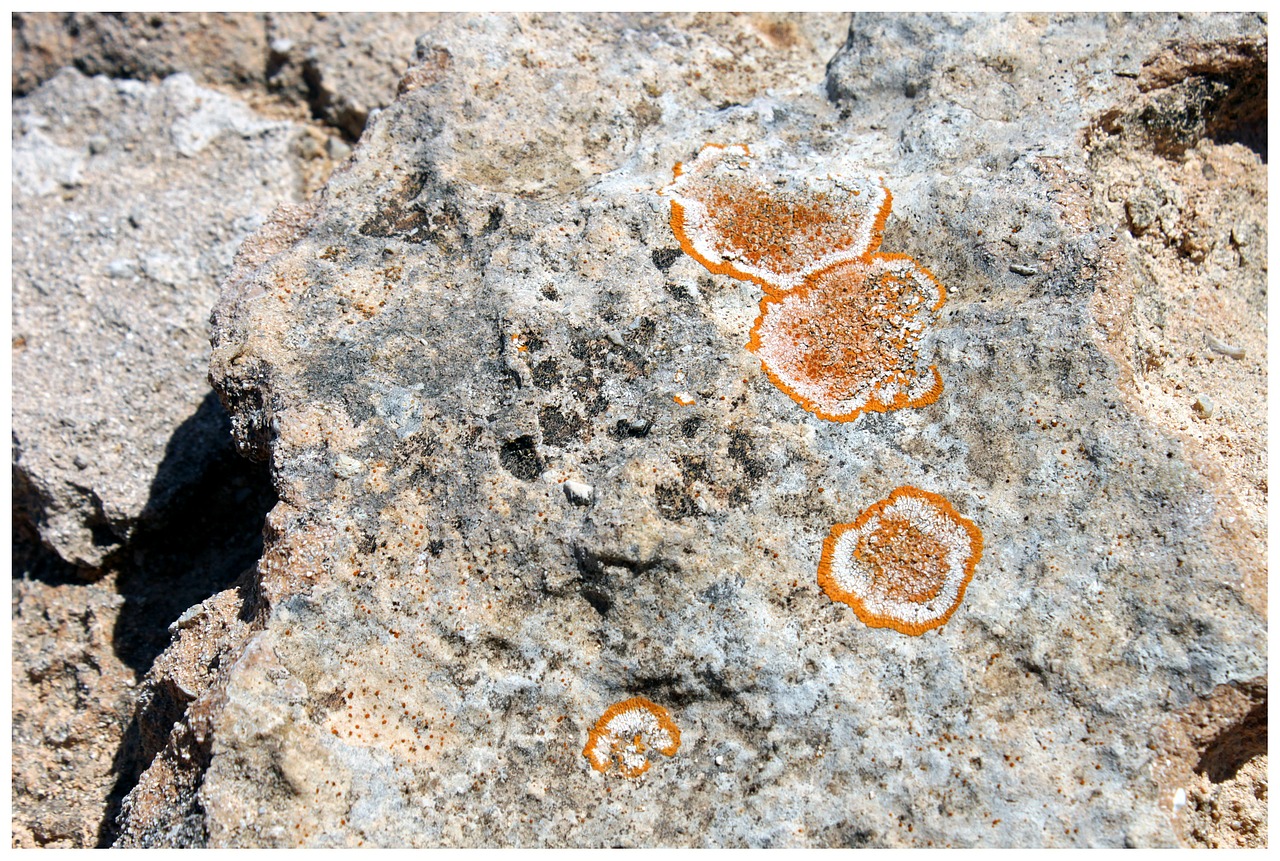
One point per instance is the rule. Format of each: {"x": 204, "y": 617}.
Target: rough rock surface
{"x": 83, "y": 726}
{"x": 1211, "y": 760}
{"x": 462, "y": 358}
{"x": 130, "y": 200}
{"x": 72, "y": 698}
{"x": 338, "y": 66}
{"x": 484, "y": 305}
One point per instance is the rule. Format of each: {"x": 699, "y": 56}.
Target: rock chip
{"x": 432, "y": 638}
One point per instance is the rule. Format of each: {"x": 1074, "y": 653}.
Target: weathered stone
{"x": 130, "y": 200}
{"x": 218, "y": 48}
{"x": 484, "y": 305}
{"x": 338, "y": 67}
{"x": 72, "y": 699}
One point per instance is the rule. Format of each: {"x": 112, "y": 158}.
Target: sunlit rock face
{"x": 528, "y": 468}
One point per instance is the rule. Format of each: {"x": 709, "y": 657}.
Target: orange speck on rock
{"x": 849, "y": 340}
{"x": 904, "y": 563}
{"x": 684, "y": 400}
{"x": 625, "y": 732}
{"x": 738, "y": 220}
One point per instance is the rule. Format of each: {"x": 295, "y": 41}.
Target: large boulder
{"x": 528, "y": 470}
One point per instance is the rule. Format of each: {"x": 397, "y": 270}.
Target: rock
{"x": 72, "y": 701}
{"x": 578, "y": 492}
{"x": 342, "y": 66}
{"x": 429, "y": 642}
{"x": 338, "y": 67}
{"x": 118, "y": 250}
{"x": 1215, "y": 754}
{"x": 219, "y": 48}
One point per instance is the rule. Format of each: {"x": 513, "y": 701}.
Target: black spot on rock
{"x": 559, "y": 428}
{"x": 674, "y": 502}
{"x": 546, "y": 374}
{"x": 677, "y": 291}
{"x": 520, "y": 458}
{"x": 740, "y": 448}
{"x": 664, "y": 258}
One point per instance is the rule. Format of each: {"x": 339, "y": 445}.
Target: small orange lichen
{"x": 684, "y": 400}
{"x": 904, "y": 563}
{"x": 626, "y": 731}
{"x": 750, "y": 225}
{"x": 848, "y": 340}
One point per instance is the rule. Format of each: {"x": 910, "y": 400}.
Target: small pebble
{"x": 637, "y": 427}
{"x": 1019, "y": 269}
{"x": 579, "y": 493}
{"x": 1223, "y": 347}
{"x": 1179, "y": 799}
{"x": 1203, "y": 406}
{"x": 338, "y": 149}
{"x": 98, "y": 144}
{"x": 346, "y": 466}
{"x": 122, "y": 269}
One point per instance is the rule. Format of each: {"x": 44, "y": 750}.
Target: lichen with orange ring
{"x": 846, "y": 341}
{"x": 904, "y": 563}
{"x": 618, "y": 738}
{"x": 774, "y": 238}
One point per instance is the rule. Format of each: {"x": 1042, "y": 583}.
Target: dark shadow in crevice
{"x": 1241, "y": 116}
{"x": 199, "y": 542}
{"x": 1231, "y": 749}
{"x": 33, "y": 561}
{"x": 206, "y": 532}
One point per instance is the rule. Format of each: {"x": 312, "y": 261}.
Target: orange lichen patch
{"x": 773, "y": 231}
{"x": 904, "y": 563}
{"x": 848, "y": 340}
{"x": 684, "y": 400}
{"x": 626, "y": 731}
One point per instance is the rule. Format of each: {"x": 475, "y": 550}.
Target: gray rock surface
{"x": 130, "y": 200}
{"x": 337, "y": 67}
{"x": 487, "y": 303}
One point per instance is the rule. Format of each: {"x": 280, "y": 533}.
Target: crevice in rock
{"x": 195, "y": 548}
{"x": 199, "y": 546}
{"x": 325, "y": 108}
{"x": 1212, "y": 91}
{"x": 602, "y": 575}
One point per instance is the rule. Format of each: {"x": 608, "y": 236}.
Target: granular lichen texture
{"x": 849, "y": 340}
{"x": 904, "y": 563}
{"x": 768, "y": 228}
{"x": 625, "y": 732}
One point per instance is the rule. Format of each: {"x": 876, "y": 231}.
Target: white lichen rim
{"x": 782, "y": 356}
{"x": 853, "y": 577}
{"x": 619, "y": 737}
{"x": 717, "y": 250}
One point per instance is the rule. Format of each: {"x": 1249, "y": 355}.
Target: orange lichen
{"x": 848, "y": 340}
{"x": 625, "y": 732}
{"x": 684, "y": 400}
{"x": 751, "y": 225}
{"x": 904, "y": 563}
